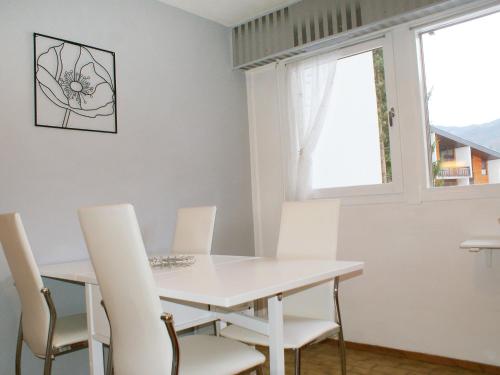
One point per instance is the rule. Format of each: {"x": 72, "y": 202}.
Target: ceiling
{"x": 229, "y": 12}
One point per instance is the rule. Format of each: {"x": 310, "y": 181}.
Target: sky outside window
{"x": 462, "y": 69}
{"x": 462, "y": 78}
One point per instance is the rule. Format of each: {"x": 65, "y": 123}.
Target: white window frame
{"x": 396, "y": 185}
{"x": 404, "y": 93}
{"x": 428, "y": 191}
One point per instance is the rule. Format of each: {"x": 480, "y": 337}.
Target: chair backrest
{"x": 141, "y": 344}
{"x": 309, "y": 230}
{"x": 36, "y": 315}
{"x": 194, "y": 230}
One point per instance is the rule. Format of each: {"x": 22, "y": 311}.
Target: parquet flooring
{"x": 323, "y": 359}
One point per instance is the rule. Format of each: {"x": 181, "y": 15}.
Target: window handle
{"x": 392, "y": 114}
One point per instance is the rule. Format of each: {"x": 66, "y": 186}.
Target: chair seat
{"x": 202, "y": 355}
{"x": 70, "y": 330}
{"x": 297, "y": 332}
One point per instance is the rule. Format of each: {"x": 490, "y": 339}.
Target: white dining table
{"x": 214, "y": 288}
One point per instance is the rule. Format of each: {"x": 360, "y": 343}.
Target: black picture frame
{"x": 67, "y": 89}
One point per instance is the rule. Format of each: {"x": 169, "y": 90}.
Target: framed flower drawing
{"x": 75, "y": 86}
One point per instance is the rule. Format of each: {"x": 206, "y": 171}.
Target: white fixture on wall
{"x": 478, "y": 245}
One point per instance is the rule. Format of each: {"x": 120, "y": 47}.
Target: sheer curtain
{"x": 309, "y": 85}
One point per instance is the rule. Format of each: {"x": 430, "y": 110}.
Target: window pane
{"x": 354, "y": 147}
{"x": 462, "y": 77}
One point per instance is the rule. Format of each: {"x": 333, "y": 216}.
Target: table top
{"x": 223, "y": 280}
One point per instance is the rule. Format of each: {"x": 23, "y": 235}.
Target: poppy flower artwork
{"x": 75, "y": 86}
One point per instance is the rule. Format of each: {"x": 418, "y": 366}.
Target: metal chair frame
{"x": 109, "y": 366}
{"x": 51, "y": 352}
{"x": 340, "y": 333}
{"x": 168, "y": 319}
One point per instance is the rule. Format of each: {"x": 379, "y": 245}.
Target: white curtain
{"x": 309, "y": 85}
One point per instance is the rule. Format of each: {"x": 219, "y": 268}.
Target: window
{"x": 448, "y": 154}
{"x": 461, "y": 70}
{"x": 484, "y": 167}
{"x": 356, "y": 146}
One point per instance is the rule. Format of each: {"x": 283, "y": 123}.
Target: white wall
{"x": 182, "y": 139}
{"x": 419, "y": 291}
{"x": 463, "y": 158}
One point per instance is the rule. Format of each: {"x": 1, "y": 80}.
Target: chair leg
{"x": 297, "y": 361}
{"x": 169, "y": 323}
{"x": 109, "y": 365}
{"x": 47, "y": 368}
{"x": 342, "y": 352}
{"x": 19, "y": 347}
{"x": 343, "y": 360}
{"x": 49, "y": 351}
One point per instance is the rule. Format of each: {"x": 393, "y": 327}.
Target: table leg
{"x": 96, "y": 360}
{"x": 276, "y": 348}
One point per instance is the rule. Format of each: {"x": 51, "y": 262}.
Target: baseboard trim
{"x": 429, "y": 358}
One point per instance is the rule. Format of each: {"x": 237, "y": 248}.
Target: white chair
{"x": 194, "y": 230}
{"x": 308, "y": 231}
{"x": 46, "y": 334}
{"x": 140, "y": 341}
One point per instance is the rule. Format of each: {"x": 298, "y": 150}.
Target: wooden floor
{"x": 323, "y": 359}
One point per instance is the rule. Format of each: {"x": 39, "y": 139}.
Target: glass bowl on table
{"x": 172, "y": 261}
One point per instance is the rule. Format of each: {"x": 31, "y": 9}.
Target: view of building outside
{"x": 462, "y": 76}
